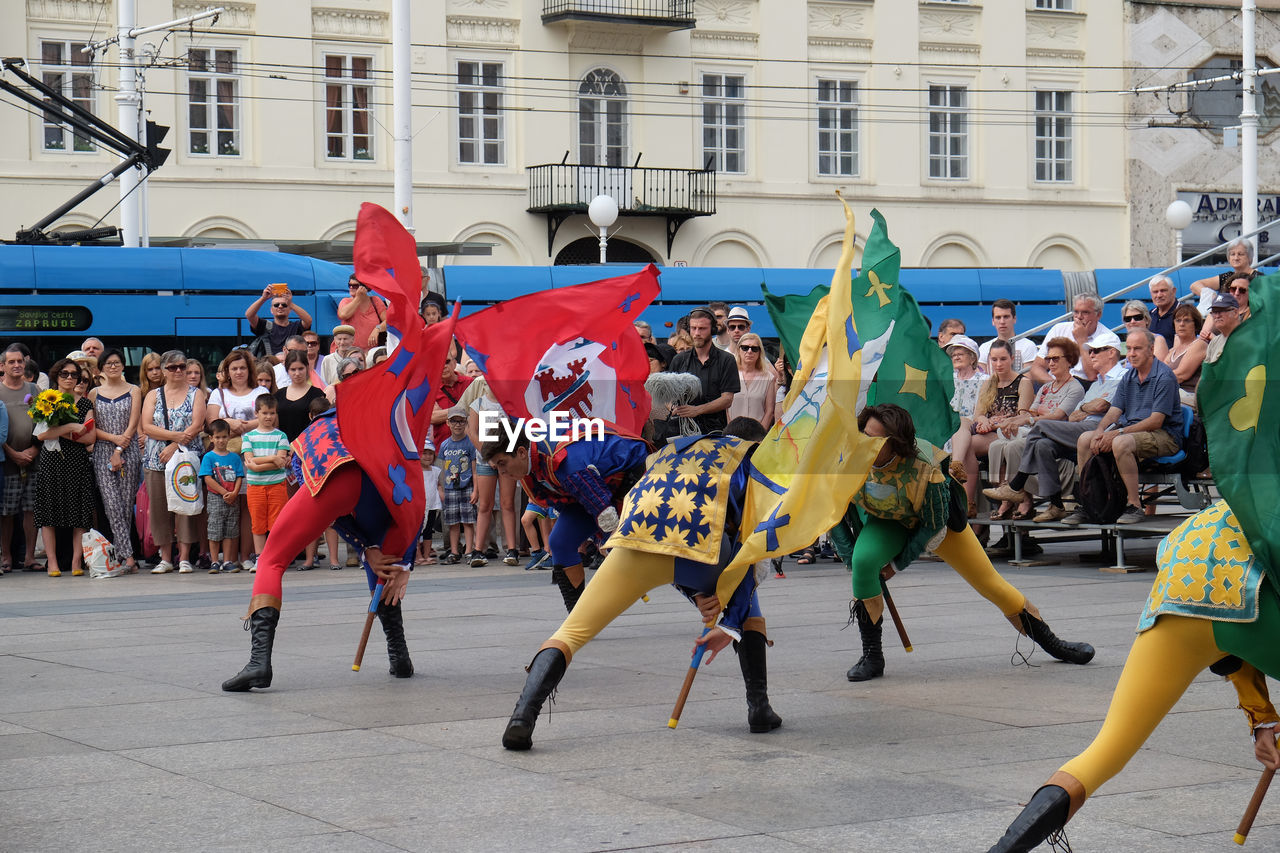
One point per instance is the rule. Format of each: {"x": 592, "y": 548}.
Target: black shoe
{"x": 262, "y": 633}
{"x": 871, "y": 664}
{"x": 478, "y": 560}
{"x": 568, "y": 591}
{"x": 751, "y": 651}
{"x": 451, "y": 559}
{"x": 1044, "y": 637}
{"x": 545, "y": 672}
{"x": 392, "y": 620}
{"x": 1044, "y": 815}
{"x": 491, "y": 552}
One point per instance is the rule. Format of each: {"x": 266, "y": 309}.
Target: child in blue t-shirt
{"x": 223, "y": 475}
{"x": 458, "y": 460}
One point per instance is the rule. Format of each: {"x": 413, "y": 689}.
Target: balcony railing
{"x": 666, "y": 14}
{"x": 560, "y": 190}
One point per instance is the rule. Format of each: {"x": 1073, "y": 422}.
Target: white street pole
{"x": 1249, "y": 125}
{"x": 127, "y": 102}
{"x": 402, "y": 117}
{"x": 603, "y": 212}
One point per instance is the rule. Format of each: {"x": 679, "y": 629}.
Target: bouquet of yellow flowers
{"x": 52, "y": 408}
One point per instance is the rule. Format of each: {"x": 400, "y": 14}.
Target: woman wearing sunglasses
{"x": 172, "y": 417}
{"x": 64, "y": 496}
{"x": 758, "y": 379}
{"x": 1137, "y": 316}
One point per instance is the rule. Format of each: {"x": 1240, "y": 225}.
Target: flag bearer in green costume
{"x": 1215, "y": 601}
{"x": 910, "y": 504}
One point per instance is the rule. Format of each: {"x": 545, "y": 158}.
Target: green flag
{"x": 791, "y": 315}
{"x": 1241, "y": 414}
{"x": 913, "y": 372}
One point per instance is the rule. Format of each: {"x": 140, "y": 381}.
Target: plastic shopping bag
{"x": 100, "y": 556}
{"x": 182, "y": 483}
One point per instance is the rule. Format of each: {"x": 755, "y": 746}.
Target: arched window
{"x": 602, "y": 119}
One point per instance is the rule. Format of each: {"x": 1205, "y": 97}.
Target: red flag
{"x": 384, "y": 412}
{"x": 572, "y": 349}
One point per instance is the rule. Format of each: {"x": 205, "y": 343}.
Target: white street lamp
{"x": 1178, "y": 215}
{"x": 603, "y": 212}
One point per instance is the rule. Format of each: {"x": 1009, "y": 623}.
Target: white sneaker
{"x": 162, "y": 568}
{"x": 185, "y": 567}
{"x": 249, "y": 565}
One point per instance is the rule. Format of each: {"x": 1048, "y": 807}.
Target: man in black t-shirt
{"x": 280, "y": 327}
{"x": 716, "y": 369}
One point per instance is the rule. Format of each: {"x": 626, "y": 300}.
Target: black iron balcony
{"x": 663, "y": 14}
{"x": 560, "y": 190}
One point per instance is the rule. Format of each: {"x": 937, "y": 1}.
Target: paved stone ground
{"x": 114, "y": 734}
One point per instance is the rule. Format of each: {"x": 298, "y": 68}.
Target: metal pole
{"x": 604, "y": 243}
{"x": 1177, "y": 246}
{"x": 1249, "y": 125}
{"x": 127, "y": 102}
{"x": 402, "y": 119}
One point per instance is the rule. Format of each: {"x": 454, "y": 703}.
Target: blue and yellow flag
{"x": 809, "y": 466}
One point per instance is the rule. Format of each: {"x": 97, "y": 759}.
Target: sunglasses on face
{"x": 174, "y": 368}
{"x": 736, "y": 326}
{"x": 1052, "y": 359}
{"x": 349, "y": 374}
{"x": 749, "y": 348}
{"x": 313, "y": 343}
{"x": 69, "y": 374}
{"x": 1133, "y": 318}
{"x": 279, "y": 305}
{"x": 1238, "y": 290}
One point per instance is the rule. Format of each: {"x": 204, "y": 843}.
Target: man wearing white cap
{"x": 1050, "y": 441}
{"x": 737, "y": 324}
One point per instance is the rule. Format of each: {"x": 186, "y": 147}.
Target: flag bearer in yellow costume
{"x": 678, "y": 526}
{"x": 1215, "y": 601}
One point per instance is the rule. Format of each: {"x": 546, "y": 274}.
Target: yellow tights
{"x": 621, "y": 581}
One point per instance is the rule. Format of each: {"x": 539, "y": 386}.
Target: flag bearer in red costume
{"x": 360, "y": 466}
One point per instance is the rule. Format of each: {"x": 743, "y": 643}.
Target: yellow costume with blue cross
{"x": 679, "y": 526}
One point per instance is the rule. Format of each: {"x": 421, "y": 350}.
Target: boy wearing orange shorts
{"x": 266, "y": 459}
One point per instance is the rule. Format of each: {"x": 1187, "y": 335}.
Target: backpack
{"x": 1101, "y": 492}
{"x": 1196, "y": 444}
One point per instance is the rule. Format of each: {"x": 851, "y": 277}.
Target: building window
{"x": 66, "y": 67}
{"x": 213, "y": 102}
{"x": 602, "y": 119}
{"x": 837, "y": 127}
{"x": 348, "y": 119}
{"x": 949, "y": 132}
{"x": 481, "y": 129}
{"x": 724, "y": 122}
{"x": 1056, "y": 5}
{"x": 1053, "y": 136}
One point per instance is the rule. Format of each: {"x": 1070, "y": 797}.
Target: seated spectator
{"x": 1002, "y": 397}
{"x": 1238, "y": 287}
{"x": 342, "y": 348}
{"x": 1084, "y": 325}
{"x": 948, "y": 329}
{"x": 1186, "y": 358}
{"x": 1004, "y": 318}
{"x": 1226, "y": 318}
{"x": 968, "y": 376}
{"x": 1240, "y": 257}
{"x": 757, "y": 380}
{"x": 1165, "y": 303}
{"x": 1050, "y": 442}
{"x": 1055, "y": 401}
{"x": 1137, "y": 316}
{"x": 1148, "y": 413}
{"x": 644, "y": 330}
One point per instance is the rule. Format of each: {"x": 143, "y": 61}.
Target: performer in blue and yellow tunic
{"x": 908, "y": 505}
{"x": 679, "y": 526}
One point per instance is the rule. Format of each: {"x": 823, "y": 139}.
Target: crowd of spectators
{"x": 1034, "y": 415}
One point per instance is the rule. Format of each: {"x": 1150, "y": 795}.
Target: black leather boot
{"x": 871, "y": 664}
{"x": 397, "y": 649}
{"x": 1046, "y": 814}
{"x": 1037, "y": 630}
{"x": 262, "y": 634}
{"x": 545, "y": 672}
{"x": 568, "y": 591}
{"x": 751, "y": 651}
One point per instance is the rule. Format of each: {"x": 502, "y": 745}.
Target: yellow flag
{"x": 811, "y": 464}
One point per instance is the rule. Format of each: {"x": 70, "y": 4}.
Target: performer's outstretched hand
{"x": 715, "y": 640}
{"x": 1264, "y": 749}
{"x": 393, "y": 577}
